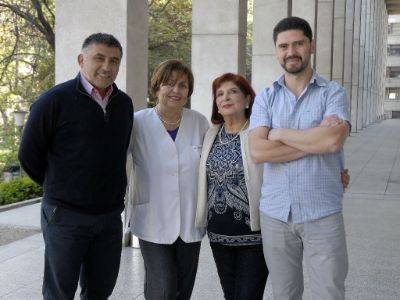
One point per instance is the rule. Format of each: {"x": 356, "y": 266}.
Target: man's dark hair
{"x": 292, "y": 23}
{"x": 102, "y": 38}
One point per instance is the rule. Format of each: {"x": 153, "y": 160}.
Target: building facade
{"x": 351, "y": 39}
{"x": 392, "y": 94}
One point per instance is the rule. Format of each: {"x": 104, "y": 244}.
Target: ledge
{"x": 20, "y": 204}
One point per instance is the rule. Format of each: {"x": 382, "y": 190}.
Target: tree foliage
{"x": 26, "y": 56}
{"x": 170, "y": 31}
{"x": 249, "y": 38}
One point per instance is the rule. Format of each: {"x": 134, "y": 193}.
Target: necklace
{"x": 165, "y": 122}
{"x": 232, "y": 139}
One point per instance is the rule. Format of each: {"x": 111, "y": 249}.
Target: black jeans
{"x": 242, "y": 271}
{"x": 170, "y": 269}
{"x": 80, "y": 246}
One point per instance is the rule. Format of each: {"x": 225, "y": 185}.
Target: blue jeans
{"x": 170, "y": 269}
{"x": 81, "y": 247}
{"x": 242, "y": 271}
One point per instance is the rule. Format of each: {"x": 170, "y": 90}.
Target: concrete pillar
{"x": 338, "y": 41}
{"x": 355, "y": 72}
{"x": 381, "y": 59}
{"x": 372, "y": 79}
{"x": 218, "y": 45}
{"x": 126, "y": 20}
{"x": 323, "y": 38}
{"x": 380, "y": 51}
{"x": 348, "y": 56}
{"x": 137, "y": 52}
{"x": 361, "y": 57}
{"x": 306, "y": 9}
{"x": 265, "y": 67}
{"x": 379, "y": 65}
{"x": 366, "y": 86}
{"x": 377, "y": 61}
{"x": 379, "y": 40}
{"x": 383, "y": 55}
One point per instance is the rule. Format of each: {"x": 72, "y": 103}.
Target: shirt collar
{"x": 315, "y": 78}
{"x": 90, "y": 89}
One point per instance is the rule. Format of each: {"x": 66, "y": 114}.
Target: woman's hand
{"x": 345, "y": 177}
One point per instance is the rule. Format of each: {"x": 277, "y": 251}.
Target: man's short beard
{"x": 295, "y": 70}
{"x": 303, "y": 66}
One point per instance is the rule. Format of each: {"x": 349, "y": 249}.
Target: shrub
{"x": 8, "y": 157}
{"x": 19, "y": 189}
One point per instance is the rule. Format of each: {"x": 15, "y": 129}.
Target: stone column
{"x": 218, "y": 45}
{"x": 382, "y": 56}
{"x": 126, "y": 20}
{"x": 348, "y": 57}
{"x": 338, "y": 41}
{"x": 323, "y": 38}
{"x": 355, "y": 72}
{"x": 265, "y": 67}
{"x": 361, "y": 57}
{"x": 367, "y": 71}
{"x": 306, "y": 9}
{"x": 372, "y": 79}
{"x": 137, "y": 52}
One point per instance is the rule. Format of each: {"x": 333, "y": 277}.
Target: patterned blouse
{"x": 228, "y": 205}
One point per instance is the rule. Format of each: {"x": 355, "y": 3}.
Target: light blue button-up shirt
{"x": 310, "y": 187}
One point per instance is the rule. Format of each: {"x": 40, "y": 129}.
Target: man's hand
{"x": 330, "y": 121}
{"x": 274, "y": 135}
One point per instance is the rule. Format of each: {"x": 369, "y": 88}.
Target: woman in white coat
{"x": 166, "y": 146}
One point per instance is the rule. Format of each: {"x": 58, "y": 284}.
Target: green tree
{"x": 170, "y": 31}
{"x": 26, "y": 57}
{"x": 249, "y": 38}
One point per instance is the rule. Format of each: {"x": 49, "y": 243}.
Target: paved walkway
{"x": 372, "y": 218}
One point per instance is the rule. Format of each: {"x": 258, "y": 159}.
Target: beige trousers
{"x": 323, "y": 245}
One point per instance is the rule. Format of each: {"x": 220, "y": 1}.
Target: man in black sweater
{"x": 74, "y": 145}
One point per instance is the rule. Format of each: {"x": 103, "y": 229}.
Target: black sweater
{"x": 75, "y": 150}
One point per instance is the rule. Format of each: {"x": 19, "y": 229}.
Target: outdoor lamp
{"x": 19, "y": 118}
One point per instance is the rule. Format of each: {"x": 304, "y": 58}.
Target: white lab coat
{"x": 163, "y": 189}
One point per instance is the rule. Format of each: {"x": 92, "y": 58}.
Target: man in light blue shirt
{"x": 298, "y": 128}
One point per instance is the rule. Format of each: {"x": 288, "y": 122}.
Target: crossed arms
{"x": 283, "y": 145}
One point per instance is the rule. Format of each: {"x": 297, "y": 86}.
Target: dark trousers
{"x": 170, "y": 269}
{"x": 242, "y": 271}
{"x": 80, "y": 246}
